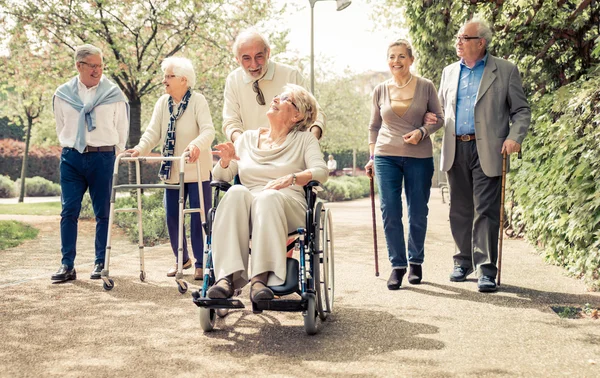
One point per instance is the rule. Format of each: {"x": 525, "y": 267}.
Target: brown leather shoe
{"x": 199, "y": 274}
{"x": 173, "y": 270}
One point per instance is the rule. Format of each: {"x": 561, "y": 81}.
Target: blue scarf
{"x": 106, "y": 93}
{"x": 169, "y": 146}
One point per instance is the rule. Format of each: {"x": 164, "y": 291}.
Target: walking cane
{"x": 374, "y": 225}
{"x": 501, "y": 236}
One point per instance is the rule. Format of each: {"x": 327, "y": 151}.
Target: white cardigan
{"x": 194, "y": 127}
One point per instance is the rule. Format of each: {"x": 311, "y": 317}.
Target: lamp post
{"x": 341, "y": 5}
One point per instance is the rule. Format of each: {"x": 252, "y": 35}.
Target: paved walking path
{"x": 436, "y": 329}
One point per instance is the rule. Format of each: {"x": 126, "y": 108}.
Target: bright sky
{"x": 349, "y": 36}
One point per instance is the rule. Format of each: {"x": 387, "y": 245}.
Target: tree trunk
{"x": 24, "y": 162}
{"x": 135, "y": 132}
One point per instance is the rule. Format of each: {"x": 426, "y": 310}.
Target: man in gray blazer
{"x": 486, "y": 115}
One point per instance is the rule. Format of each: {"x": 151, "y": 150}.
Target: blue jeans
{"x": 416, "y": 173}
{"x": 172, "y": 210}
{"x": 78, "y": 173}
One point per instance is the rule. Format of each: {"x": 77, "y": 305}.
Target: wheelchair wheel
{"x": 310, "y": 318}
{"x": 323, "y": 270}
{"x": 207, "y": 318}
{"x": 329, "y": 271}
{"x": 222, "y": 312}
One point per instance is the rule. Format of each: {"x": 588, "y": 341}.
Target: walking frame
{"x": 182, "y": 285}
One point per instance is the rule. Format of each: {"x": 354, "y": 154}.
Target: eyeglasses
{"x": 260, "y": 98}
{"x": 93, "y": 66}
{"x": 286, "y": 97}
{"x": 463, "y": 39}
{"x": 167, "y": 77}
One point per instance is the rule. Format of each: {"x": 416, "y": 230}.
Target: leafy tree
{"x": 137, "y": 35}
{"x": 552, "y": 41}
{"x": 27, "y": 88}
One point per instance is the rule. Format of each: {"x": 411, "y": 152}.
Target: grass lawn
{"x": 13, "y": 233}
{"x": 40, "y": 208}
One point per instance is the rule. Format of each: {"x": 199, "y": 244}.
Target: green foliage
{"x": 345, "y": 188}
{"x": 344, "y": 158}
{"x": 7, "y": 187}
{"x": 14, "y": 233}
{"x": 39, "y": 187}
{"x": 153, "y": 217}
{"x": 553, "y": 44}
{"x": 557, "y": 184}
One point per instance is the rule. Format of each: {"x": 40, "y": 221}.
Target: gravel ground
{"x": 436, "y": 329}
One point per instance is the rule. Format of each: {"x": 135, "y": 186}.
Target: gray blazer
{"x": 500, "y": 99}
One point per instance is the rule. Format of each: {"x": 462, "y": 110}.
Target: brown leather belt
{"x": 99, "y": 149}
{"x": 466, "y": 137}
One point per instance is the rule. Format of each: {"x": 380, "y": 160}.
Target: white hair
{"x": 182, "y": 67}
{"x": 247, "y": 35}
{"x": 483, "y": 29}
{"x": 83, "y": 51}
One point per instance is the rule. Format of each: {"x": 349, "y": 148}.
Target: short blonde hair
{"x": 182, "y": 67}
{"x": 306, "y": 103}
{"x": 402, "y": 42}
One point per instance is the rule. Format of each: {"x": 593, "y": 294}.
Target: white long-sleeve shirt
{"x": 195, "y": 126}
{"x": 112, "y": 121}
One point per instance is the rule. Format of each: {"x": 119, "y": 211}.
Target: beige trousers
{"x": 268, "y": 216}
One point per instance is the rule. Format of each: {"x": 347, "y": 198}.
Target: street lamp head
{"x": 342, "y": 4}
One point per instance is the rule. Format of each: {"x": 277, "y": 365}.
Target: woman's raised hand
{"x": 226, "y": 152}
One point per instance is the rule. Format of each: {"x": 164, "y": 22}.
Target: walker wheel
{"x": 143, "y": 276}
{"x": 182, "y": 287}
{"x": 108, "y": 286}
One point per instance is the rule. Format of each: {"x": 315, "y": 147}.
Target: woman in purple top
{"x": 402, "y": 153}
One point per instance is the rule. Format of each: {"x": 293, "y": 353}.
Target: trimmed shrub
{"x": 557, "y": 184}
{"x": 345, "y": 188}
{"x": 7, "y": 187}
{"x": 38, "y": 187}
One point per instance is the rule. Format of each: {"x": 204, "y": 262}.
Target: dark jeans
{"x": 172, "y": 210}
{"x": 391, "y": 172}
{"x": 79, "y": 172}
{"x": 474, "y": 211}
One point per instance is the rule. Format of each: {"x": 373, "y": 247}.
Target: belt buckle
{"x": 465, "y": 137}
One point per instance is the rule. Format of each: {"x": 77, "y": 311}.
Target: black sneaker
{"x": 96, "y": 272}
{"x": 64, "y": 274}
{"x": 487, "y": 284}
{"x": 460, "y": 274}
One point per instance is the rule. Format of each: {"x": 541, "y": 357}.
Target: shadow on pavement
{"x": 507, "y": 296}
{"x": 365, "y": 333}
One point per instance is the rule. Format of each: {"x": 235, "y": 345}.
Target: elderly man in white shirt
{"x": 92, "y": 122}
{"x": 250, "y": 88}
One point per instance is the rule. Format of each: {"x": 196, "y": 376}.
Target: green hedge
{"x": 345, "y": 188}
{"x": 45, "y": 162}
{"x": 153, "y": 217}
{"x": 7, "y": 187}
{"x": 38, "y": 187}
{"x": 557, "y": 184}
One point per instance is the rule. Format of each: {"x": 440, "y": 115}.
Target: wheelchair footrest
{"x": 291, "y": 305}
{"x": 218, "y": 303}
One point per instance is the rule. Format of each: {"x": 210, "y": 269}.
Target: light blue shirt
{"x": 468, "y": 85}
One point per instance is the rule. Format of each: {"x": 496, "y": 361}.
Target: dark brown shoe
{"x": 259, "y": 291}
{"x": 199, "y": 274}
{"x": 222, "y": 289}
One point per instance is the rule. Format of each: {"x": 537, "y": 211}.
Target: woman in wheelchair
{"x": 273, "y": 164}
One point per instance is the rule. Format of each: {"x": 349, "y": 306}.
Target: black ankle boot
{"x": 395, "y": 280}
{"x": 416, "y": 274}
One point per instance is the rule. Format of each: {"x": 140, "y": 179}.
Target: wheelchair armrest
{"x": 221, "y": 185}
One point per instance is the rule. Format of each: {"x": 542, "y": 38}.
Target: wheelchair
{"x": 311, "y": 277}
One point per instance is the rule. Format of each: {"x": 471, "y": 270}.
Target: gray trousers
{"x": 474, "y": 211}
